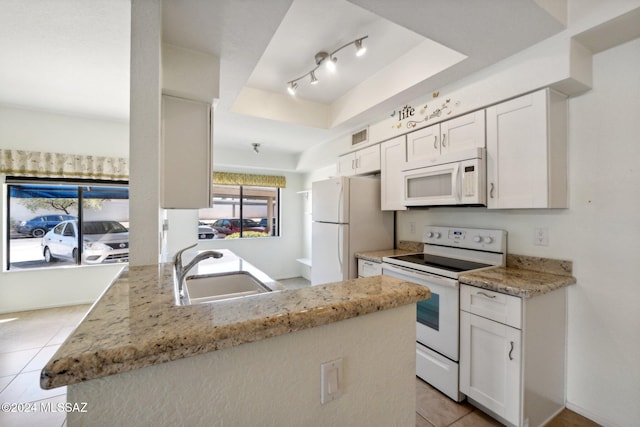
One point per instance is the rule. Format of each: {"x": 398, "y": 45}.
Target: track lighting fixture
{"x": 329, "y": 59}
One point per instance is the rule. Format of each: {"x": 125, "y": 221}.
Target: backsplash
{"x": 411, "y": 246}
{"x": 544, "y": 265}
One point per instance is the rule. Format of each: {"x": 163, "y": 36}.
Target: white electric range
{"x": 448, "y": 252}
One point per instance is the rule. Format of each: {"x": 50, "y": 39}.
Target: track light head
{"x": 360, "y": 48}
{"x": 292, "y": 88}
{"x": 314, "y": 79}
{"x": 331, "y": 63}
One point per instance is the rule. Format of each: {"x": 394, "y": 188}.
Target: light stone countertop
{"x": 524, "y": 276}
{"x": 136, "y": 322}
{"x": 376, "y": 256}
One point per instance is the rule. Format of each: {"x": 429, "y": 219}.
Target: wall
{"x": 45, "y": 131}
{"x": 600, "y": 233}
{"x": 272, "y": 382}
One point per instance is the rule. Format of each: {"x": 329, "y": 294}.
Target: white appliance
{"x": 455, "y": 179}
{"x": 448, "y": 251}
{"x": 347, "y": 218}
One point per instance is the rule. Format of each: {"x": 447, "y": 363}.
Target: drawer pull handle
{"x": 511, "y": 351}
{"x": 486, "y": 295}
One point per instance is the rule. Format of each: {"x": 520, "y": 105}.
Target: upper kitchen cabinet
{"x": 428, "y": 145}
{"x": 361, "y": 162}
{"x": 186, "y": 154}
{"x": 393, "y": 157}
{"x": 527, "y": 152}
{"x": 190, "y": 86}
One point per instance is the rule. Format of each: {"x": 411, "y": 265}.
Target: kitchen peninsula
{"x": 245, "y": 361}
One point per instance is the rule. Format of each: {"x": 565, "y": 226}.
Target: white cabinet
{"x": 527, "y": 152}
{"x": 186, "y": 154}
{"x": 368, "y": 268}
{"x": 393, "y": 156}
{"x": 512, "y": 354}
{"x": 490, "y": 351}
{"x": 430, "y": 144}
{"x": 360, "y": 162}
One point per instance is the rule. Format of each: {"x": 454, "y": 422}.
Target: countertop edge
{"x": 516, "y": 281}
{"x": 94, "y": 364}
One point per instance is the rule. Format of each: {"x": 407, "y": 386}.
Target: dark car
{"x": 39, "y": 225}
{"x": 229, "y": 226}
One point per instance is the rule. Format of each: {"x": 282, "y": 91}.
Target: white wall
{"x": 46, "y": 131}
{"x": 22, "y": 129}
{"x": 600, "y": 233}
{"x": 271, "y": 382}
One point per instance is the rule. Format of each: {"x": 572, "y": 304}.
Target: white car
{"x": 104, "y": 241}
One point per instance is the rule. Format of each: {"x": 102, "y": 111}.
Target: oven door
{"x": 437, "y": 318}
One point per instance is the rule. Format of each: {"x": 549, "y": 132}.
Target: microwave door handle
{"x": 457, "y": 182}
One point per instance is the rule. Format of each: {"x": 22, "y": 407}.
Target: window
{"x": 66, "y": 223}
{"x": 241, "y": 211}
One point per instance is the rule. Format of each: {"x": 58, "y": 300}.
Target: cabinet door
{"x": 368, "y": 159}
{"x": 462, "y": 133}
{"x": 393, "y": 156}
{"x": 424, "y": 144}
{"x": 186, "y": 154}
{"x": 347, "y": 164}
{"x": 526, "y": 152}
{"x": 490, "y": 365}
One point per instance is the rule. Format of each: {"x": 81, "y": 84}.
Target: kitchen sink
{"x": 221, "y": 286}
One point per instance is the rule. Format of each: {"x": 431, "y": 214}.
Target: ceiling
{"x": 72, "y": 56}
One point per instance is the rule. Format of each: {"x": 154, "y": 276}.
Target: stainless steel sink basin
{"x": 216, "y": 287}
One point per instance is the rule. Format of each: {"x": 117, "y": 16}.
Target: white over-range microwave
{"x": 456, "y": 179}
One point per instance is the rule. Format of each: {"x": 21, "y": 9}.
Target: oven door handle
{"x": 421, "y": 276}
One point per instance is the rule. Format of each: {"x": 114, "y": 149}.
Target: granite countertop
{"x": 524, "y": 276}
{"x": 376, "y": 256}
{"x": 136, "y": 322}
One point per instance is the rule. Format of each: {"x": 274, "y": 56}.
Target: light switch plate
{"x": 330, "y": 381}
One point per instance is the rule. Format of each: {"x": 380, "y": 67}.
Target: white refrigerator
{"x": 347, "y": 218}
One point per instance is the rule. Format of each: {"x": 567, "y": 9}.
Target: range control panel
{"x": 469, "y": 238}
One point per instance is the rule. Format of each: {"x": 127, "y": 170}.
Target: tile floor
{"x": 28, "y": 339}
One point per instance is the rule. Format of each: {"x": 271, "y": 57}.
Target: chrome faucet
{"x": 181, "y": 271}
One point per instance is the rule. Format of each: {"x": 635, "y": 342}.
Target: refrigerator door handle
{"x": 340, "y": 202}
{"x": 339, "y": 251}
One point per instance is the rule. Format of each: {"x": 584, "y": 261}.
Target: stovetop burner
{"x": 450, "y": 264}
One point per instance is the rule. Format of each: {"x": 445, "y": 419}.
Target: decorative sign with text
{"x": 423, "y": 115}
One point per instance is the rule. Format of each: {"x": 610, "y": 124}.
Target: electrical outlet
{"x": 541, "y": 236}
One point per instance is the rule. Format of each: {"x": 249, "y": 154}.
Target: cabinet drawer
{"x": 502, "y": 308}
{"x": 369, "y": 268}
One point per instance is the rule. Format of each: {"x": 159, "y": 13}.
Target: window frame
{"x": 79, "y": 183}
{"x": 274, "y": 227}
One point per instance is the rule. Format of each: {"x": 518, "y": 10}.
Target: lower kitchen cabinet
{"x": 369, "y": 268}
{"x": 512, "y": 354}
{"x": 490, "y": 365}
